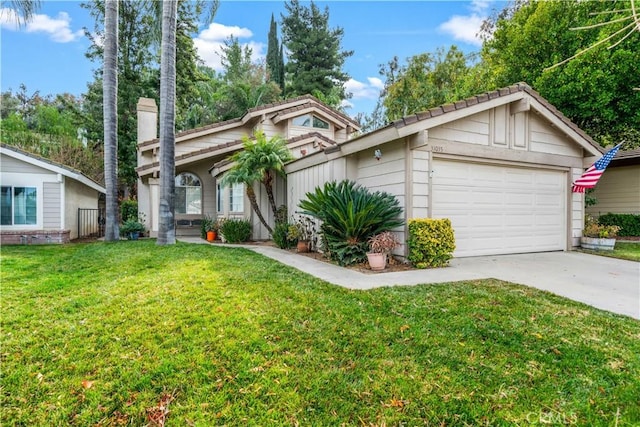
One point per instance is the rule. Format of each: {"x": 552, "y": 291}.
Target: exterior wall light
{"x": 377, "y": 154}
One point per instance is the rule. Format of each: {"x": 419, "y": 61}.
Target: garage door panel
{"x": 498, "y": 209}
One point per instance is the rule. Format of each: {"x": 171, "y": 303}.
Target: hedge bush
{"x": 629, "y": 223}
{"x": 129, "y": 210}
{"x": 280, "y": 237}
{"x": 236, "y": 230}
{"x": 431, "y": 242}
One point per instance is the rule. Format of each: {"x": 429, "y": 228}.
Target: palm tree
{"x": 166, "y": 225}
{"x": 24, "y": 9}
{"x": 110, "y": 109}
{"x": 259, "y": 161}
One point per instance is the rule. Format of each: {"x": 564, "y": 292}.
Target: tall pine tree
{"x": 315, "y": 56}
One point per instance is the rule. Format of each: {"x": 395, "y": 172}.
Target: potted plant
{"x": 598, "y": 237}
{"x": 301, "y": 231}
{"x": 217, "y": 225}
{"x": 132, "y": 229}
{"x": 380, "y": 246}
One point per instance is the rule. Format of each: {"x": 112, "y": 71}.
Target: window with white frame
{"x": 236, "y": 198}
{"x": 310, "y": 121}
{"x": 188, "y": 194}
{"x": 18, "y": 206}
{"x": 220, "y": 198}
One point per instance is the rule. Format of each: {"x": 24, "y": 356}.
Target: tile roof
{"x": 488, "y": 96}
{"x": 49, "y": 161}
{"x": 311, "y": 101}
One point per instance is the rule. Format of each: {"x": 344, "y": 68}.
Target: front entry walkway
{"x": 606, "y": 283}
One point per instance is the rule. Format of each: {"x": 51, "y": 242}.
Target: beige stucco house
{"x": 499, "y": 165}
{"x": 618, "y": 190}
{"x": 40, "y": 199}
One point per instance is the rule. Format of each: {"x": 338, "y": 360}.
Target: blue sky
{"x": 48, "y": 54}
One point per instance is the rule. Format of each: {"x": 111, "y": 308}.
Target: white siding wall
{"x": 11, "y": 165}
{"x": 471, "y": 130}
{"x": 211, "y": 140}
{"x": 420, "y": 184}
{"x": 547, "y": 139}
{"x": 51, "y": 209}
{"x": 577, "y": 211}
{"x": 302, "y": 182}
{"x": 77, "y": 195}
{"x": 387, "y": 174}
{"x": 618, "y": 191}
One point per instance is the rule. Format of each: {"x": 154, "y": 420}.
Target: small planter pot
{"x": 303, "y": 246}
{"x": 134, "y": 235}
{"x": 597, "y": 244}
{"x": 377, "y": 261}
{"x": 211, "y": 236}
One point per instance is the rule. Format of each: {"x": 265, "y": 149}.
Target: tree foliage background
{"x": 521, "y": 43}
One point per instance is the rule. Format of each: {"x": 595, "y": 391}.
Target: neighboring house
{"x": 499, "y": 165}
{"x": 40, "y": 199}
{"x": 618, "y": 190}
{"x": 202, "y": 158}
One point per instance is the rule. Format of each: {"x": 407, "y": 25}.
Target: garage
{"x": 501, "y": 209}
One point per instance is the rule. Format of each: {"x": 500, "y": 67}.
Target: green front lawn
{"x": 132, "y": 333}
{"x": 623, "y": 250}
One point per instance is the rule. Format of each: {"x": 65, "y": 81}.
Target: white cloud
{"x": 360, "y": 90}
{"x": 58, "y": 29}
{"x": 465, "y": 28}
{"x": 210, "y": 41}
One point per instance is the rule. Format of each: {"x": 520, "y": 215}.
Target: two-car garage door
{"x": 497, "y": 209}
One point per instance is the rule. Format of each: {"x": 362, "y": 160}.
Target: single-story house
{"x": 499, "y": 165}
{"x": 41, "y": 199}
{"x": 618, "y": 190}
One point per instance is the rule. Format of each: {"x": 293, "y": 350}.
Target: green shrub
{"x": 236, "y": 230}
{"x": 350, "y": 215}
{"x": 629, "y": 223}
{"x": 431, "y": 242}
{"x": 128, "y": 210}
{"x": 280, "y": 237}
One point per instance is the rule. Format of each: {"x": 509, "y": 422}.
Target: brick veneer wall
{"x": 34, "y": 237}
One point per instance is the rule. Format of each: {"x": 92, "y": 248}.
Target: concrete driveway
{"x": 606, "y": 283}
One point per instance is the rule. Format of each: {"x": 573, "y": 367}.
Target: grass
{"x": 133, "y": 334}
{"x": 623, "y": 250}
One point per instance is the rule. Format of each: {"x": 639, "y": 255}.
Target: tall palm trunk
{"x": 110, "y": 110}
{"x": 166, "y": 226}
{"x": 267, "y": 181}
{"x": 251, "y": 194}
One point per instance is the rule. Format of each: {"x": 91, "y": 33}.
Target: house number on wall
{"x": 437, "y": 148}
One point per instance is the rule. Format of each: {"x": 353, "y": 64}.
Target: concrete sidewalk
{"x": 606, "y": 283}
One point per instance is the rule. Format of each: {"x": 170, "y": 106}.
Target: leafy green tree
{"x": 427, "y": 80}
{"x": 247, "y": 84}
{"x": 315, "y": 59}
{"x": 594, "y": 89}
{"x": 260, "y": 160}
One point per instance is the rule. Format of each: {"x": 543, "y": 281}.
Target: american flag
{"x": 590, "y": 177}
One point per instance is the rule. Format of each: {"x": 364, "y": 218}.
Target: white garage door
{"x": 500, "y": 209}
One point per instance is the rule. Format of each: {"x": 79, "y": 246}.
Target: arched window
{"x": 188, "y": 194}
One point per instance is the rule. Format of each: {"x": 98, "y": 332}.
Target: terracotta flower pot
{"x": 377, "y": 261}
{"x": 211, "y": 236}
{"x": 303, "y": 246}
